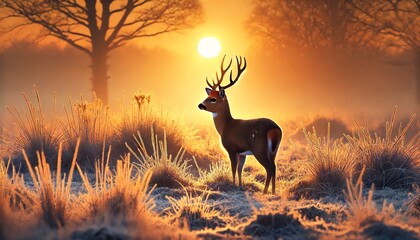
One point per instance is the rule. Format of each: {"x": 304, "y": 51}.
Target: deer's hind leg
{"x": 270, "y": 168}
{"x": 272, "y": 160}
{"x": 273, "y": 142}
{"x": 271, "y": 174}
{"x": 273, "y": 181}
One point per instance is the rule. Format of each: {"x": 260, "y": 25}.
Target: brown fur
{"x": 244, "y": 137}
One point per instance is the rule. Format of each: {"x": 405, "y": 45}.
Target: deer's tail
{"x": 274, "y": 136}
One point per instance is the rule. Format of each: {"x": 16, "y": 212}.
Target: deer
{"x": 259, "y": 137}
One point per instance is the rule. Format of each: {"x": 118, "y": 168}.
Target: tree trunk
{"x": 100, "y": 77}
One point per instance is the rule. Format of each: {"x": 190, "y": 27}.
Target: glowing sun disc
{"x": 209, "y": 47}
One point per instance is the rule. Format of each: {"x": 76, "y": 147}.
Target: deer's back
{"x": 246, "y": 135}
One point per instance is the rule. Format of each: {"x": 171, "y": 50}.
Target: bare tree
{"x": 96, "y": 27}
{"x": 305, "y": 23}
{"x": 398, "y": 24}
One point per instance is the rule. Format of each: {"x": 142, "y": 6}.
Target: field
{"x": 142, "y": 173}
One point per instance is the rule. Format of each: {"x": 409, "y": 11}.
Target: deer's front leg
{"x": 241, "y": 162}
{"x": 234, "y": 164}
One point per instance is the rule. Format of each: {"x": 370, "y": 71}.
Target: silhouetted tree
{"x": 398, "y": 22}
{"x": 96, "y": 27}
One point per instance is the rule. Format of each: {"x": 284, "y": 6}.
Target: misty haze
{"x": 215, "y": 119}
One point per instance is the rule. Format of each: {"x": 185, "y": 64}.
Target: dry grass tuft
{"x": 205, "y": 147}
{"x": 363, "y": 217}
{"x": 329, "y": 164}
{"x": 391, "y": 168}
{"x": 13, "y": 189}
{"x": 219, "y": 172}
{"x": 5, "y": 221}
{"x": 89, "y": 122}
{"x": 195, "y": 212}
{"x": 168, "y": 171}
{"x": 33, "y": 133}
{"x": 16, "y": 203}
{"x": 3, "y": 148}
{"x": 390, "y": 161}
{"x": 144, "y": 116}
{"x": 53, "y": 197}
{"x": 117, "y": 195}
{"x": 164, "y": 176}
{"x": 361, "y": 208}
{"x": 219, "y": 178}
{"x": 414, "y": 203}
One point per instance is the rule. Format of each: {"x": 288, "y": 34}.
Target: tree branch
{"x": 73, "y": 22}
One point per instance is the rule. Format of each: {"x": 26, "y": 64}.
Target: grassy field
{"x": 141, "y": 173}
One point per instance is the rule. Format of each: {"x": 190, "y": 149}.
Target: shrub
{"x": 329, "y": 164}
{"x": 390, "y": 161}
{"x": 167, "y": 171}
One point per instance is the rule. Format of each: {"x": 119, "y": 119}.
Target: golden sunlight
{"x": 209, "y": 47}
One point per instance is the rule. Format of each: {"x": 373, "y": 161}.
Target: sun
{"x": 209, "y": 47}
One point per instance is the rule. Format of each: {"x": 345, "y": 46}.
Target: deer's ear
{"x": 208, "y": 91}
{"x": 221, "y": 92}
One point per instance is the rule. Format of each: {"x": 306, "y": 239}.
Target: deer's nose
{"x": 201, "y": 106}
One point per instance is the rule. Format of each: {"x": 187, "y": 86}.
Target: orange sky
{"x": 224, "y": 19}
{"x": 170, "y": 68}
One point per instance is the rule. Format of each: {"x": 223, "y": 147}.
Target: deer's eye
{"x": 213, "y": 100}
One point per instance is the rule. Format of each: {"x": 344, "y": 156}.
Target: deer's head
{"x": 216, "y": 99}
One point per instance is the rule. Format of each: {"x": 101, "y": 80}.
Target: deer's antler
{"x": 240, "y": 71}
{"x": 222, "y": 74}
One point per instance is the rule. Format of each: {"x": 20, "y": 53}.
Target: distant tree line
{"x": 388, "y": 26}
